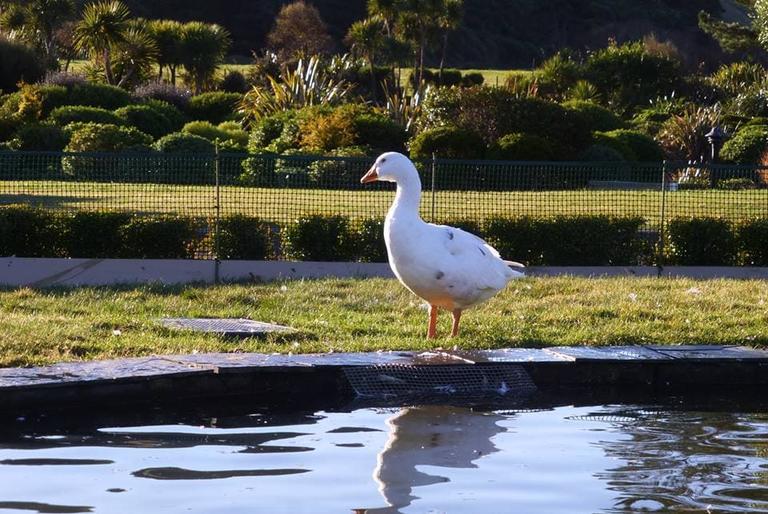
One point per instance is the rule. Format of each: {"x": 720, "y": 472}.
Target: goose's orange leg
{"x": 456, "y": 319}
{"x": 432, "y": 329}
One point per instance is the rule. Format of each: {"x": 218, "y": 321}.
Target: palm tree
{"x": 35, "y": 22}
{"x": 448, "y": 21}
{"x": 103, "y": 27}
{"x": 169, "y": 35}
{"x": 367, "y": 37}
{"x": 135, "y": 55}
{"x": 204, "y": 47}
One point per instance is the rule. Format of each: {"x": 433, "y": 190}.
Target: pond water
{"x": 425, "y": 459}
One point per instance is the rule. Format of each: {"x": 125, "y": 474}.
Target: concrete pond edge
{"x": 49, "y": 272}
{"x": 612, "y": 374}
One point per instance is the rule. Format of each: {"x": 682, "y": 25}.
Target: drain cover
{"x": 225, "y": 326}
{"x": 467, "y": 380}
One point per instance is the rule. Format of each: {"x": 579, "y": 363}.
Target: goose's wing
{"x": 479, "y": 261}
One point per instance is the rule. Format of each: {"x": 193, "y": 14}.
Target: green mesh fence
{"x": 280, "y": 189}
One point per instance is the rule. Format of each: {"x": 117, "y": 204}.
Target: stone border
{"x": 617, "y": 374}
{"x": 42, "y": 272}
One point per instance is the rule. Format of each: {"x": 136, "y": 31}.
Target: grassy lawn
{"x": 45, "y": 326}
{"x": 287, "y": 204}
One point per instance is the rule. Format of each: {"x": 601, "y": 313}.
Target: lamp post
{"x": 715, "y": 137}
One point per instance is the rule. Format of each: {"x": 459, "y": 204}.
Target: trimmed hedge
{"x": 447, "y": 143}
{"x": 318, "y": 238}
{"x": 701, "y": 242}
{"x": 216, "y": 106}
{"x": 566, "y": 240}
{"x": 569, "y": 240}
{"x": 244, "y": 237}
{"x": 164, "y": 237}
{"x": 29, "y": 232}
{"x": 67, "y": 114}
{"x": 145, "y": 118}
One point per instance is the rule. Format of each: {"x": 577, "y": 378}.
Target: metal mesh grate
{"x": 404, "y": 381}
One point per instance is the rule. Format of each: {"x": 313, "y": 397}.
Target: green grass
{"x": 45, "y": 326}
{"x": 287, "y": 204}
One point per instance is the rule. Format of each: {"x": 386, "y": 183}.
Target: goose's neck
{"x": 407, "y": 199}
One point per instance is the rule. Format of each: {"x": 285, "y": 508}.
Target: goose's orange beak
{"x": 371, "y": 176}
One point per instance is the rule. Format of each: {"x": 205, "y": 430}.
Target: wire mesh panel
{"x": 403, "y": 381}
{"x": 279, "y": 189}
{"x": 734, "y": 193}
{"x": 480, "y": 190}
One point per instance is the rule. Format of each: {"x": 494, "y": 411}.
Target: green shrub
{"x": 495, "y": 112}
{"x": 97, "y": 137}
{"x": 642, "y": 148}
{"x": 593, "y": 116}
{"x": 701, "y": 242}
{"x": 447, "y": 143}
{"x": 368, "y": 237}
{"x": 601, "y": 153}
{"x": 18, "y": 63}
{"x": 341, "y": 169}
{"x": 736, "y": 184}
{"x": 517, "y": 239}
{"x": 175, "y": 117}
{"x": 259, "y": 171}
{"x": 234, "y": 82}
{"x": 522, "y": 147}
{"x": 98, "y": 95}
{"x": 753, "y": 241}
{"x": 94, "y": 137}
{"x": 606, "y": 139}
{"x": 63, "y": 116}
{"x": 746, "y": 146}
{"x": 244, "y": 237}
{"x": 103, "y": 96}
{"x": 227, "y": 134}
{"x": 318, "y": 238}
{"x": 556, "y": 75}
{"x": 186, "y": 158}
{"x": 377, "y": 131}
{"x": 568, "y": 240}
{"x": 28, "y": 232}
{"x": 40, "y": 137}
{"x": 180, "y": 142}
{"x": 93, "y": 234}
{"x": 472, "y": 78}
{"x": 215, "y": 107}
{"x": 627, "y": 75}
{"x": 158, "y": 238}
{"x": 268, "y": 130}
{"x": 145, "y": 118}
{"x": 204, "y": 129}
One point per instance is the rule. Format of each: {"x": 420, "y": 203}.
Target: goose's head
{"x": 390, "y": 167}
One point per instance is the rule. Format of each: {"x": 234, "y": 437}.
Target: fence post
{"x": 434, "y": 165}
{"x": 662, "y": 219}
{"x": 217, "y": 218}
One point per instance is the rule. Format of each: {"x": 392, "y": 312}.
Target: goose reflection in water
{"x": 432, "y": 435}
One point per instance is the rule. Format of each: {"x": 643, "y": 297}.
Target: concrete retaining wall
{"x": 39, "y": 272}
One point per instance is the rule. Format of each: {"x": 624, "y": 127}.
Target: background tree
{"x": 103, "y": 26}
{"x": 449, "y": 20}
{"x": 367, "y": 38}
{"x": 299, "y": 31}
{"x": 204, "y": 47}
{"x": 760, "y": 22}
{"x": 36, "y": 21}
{"x": 135, "y": 55}
{"x": 168, "y": 35}
{"x": 733, "y": 37}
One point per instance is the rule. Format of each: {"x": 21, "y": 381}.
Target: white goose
{"x": 446, "y": 266}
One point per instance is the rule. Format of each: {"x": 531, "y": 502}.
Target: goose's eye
{"x": 383, "y": 161}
